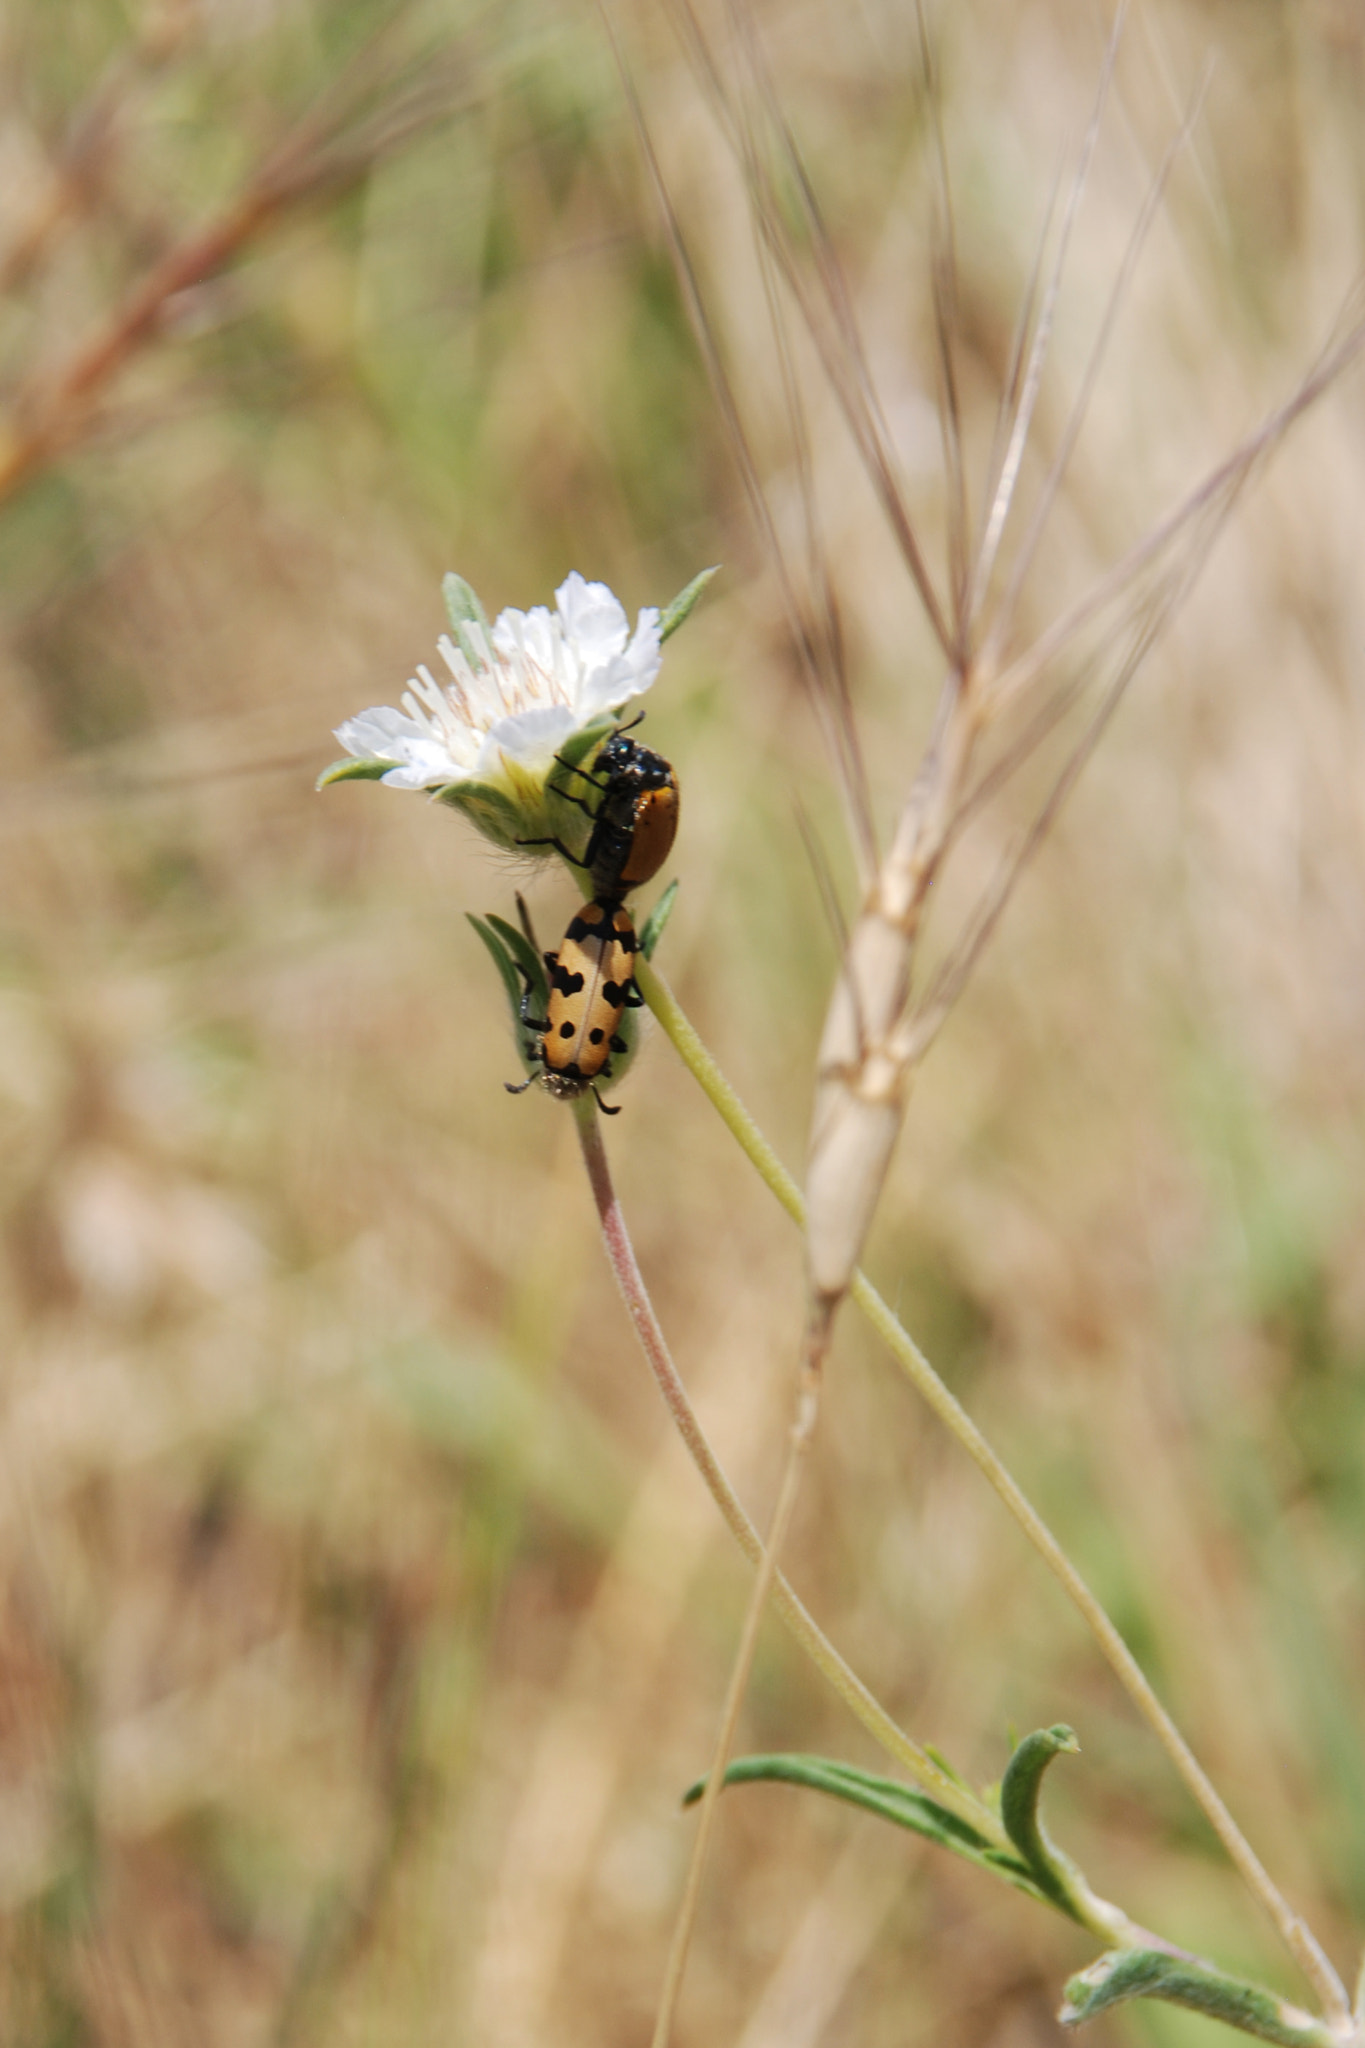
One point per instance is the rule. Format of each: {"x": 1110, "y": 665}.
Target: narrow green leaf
{"x": 353, "y": 771}
{"x": 523, "y": 950}
{"x": 463, "y": 611}
{"x": 675, "y": 614}
{"x": 1124, "y": 1974}
{"x": 503, "y": 963}
{"x": 936, "y": 1756}
{"x": 652, "y": 930}
{"x": 1054, "y": 1873}
{"x": 889, "y": 1800}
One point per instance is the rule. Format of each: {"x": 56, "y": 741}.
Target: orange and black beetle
{"x": 592, "y": 985}
{"x": 634, "y": 820}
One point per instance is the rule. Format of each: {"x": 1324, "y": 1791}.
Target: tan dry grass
{"x": 337, "y": 1514}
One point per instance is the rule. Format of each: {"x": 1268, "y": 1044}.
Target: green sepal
{"x": 652, "y": 930}
{"x": 587, "y": 740}
{"x": 890, "y": 1800}
{"x": 558, "y": 817}
{"x": 463, "y": 611}
{"x": 1055, "y": 1875}
{"x": 1127, "y": 1973}
{"x": 674, "y": 615}
{"x": 490, "y": 810}
{"x": 354, "y": 771}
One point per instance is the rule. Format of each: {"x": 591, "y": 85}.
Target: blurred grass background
{"x": 360, "y": 1623}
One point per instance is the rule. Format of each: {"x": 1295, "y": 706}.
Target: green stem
{"x": 1296, "y": 1935}
{"x": 822, "y": 1653}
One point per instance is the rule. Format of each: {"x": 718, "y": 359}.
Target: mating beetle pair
{"x": 592, "y": 977}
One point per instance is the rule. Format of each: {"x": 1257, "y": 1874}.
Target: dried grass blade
{"x": 944, "y": 283}
{"x": 1002, "y": 624}
{"x": 1022, "y": 408}
{"x": 1214, "y": 497}
{"x": 827, "y": 310}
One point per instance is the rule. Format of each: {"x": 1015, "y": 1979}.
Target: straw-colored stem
{"x": 1296, "y": 1935}
{"x": 803, "y": 1429}
{"x": 44, "y": 421}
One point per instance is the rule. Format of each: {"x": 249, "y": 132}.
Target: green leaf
{"x": 936, "y": 1756}
{"x": 464, "y": 610}
{"x": 887, "y": 1798}
{"x": 523, "y": 948}
{"x": 652, "y": 930}
{"x": 1054, "y": 1873}
{"x": 354, "y": 771}
{"x": 501, "y": 960}
{"x": 674, "y": 615}
{"x": 1124, "y": 1974}
{"x": 1046, "y": 1875}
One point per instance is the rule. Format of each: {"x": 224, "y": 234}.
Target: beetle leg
{"x": 578, "y": 801}
{"x": 559, "y": 847}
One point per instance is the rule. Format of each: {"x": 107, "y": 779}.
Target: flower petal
{"x": 645, "y": 652}
{"x": 626, "y": 675}
{"x": 383, "y": 734}
{"x": 531, "y": 737}
{"x": 533, "y": 635}
{"x": 595, "y": 624}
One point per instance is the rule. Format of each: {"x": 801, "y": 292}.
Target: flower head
{"x": 534, "y": 688}
{"x": 512, "y": 694}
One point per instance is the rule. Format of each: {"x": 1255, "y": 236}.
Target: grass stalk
{"x": 799, "y": 1440}
{"x": 1297, "y": 1937}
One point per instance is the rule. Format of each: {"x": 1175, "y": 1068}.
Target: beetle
{"x": 634, "y": 820}
{"x": 592, "y": 985}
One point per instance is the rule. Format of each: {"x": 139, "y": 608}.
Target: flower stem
{"x": 1296, "y": 1935}
{"x": 822, "y": 1653}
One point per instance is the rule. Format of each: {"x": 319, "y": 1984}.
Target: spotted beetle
{"x": 592, "y": 985}
{"x": 634, "y": 820}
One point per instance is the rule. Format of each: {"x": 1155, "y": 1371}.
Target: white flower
{"x": 512, "y": 696}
